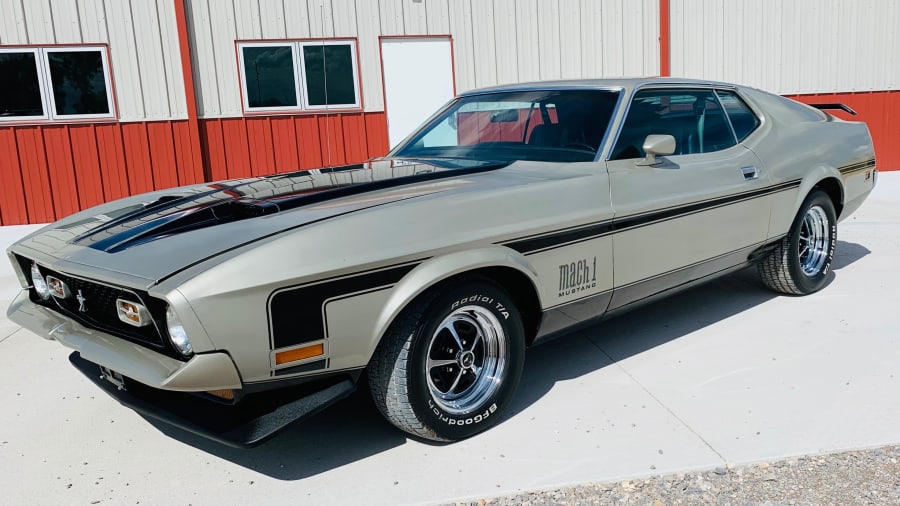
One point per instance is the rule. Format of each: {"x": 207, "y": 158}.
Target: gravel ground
{"x": 862, "y": 477}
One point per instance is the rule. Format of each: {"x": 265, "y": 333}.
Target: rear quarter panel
{"x": 798, "y": 143}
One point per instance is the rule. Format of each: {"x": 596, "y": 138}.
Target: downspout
{"x": 665, "y": 40}
{"x": 187, "y": 71}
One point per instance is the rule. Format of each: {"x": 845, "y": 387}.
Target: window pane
{"x": 20, "y": 90}
{"x": 692, "y": 117}
{"x": 329, "y": 74}
{"x": 269, "y": 73}
{"x": 79, "y": 85}
{"x": 742, "y": 118}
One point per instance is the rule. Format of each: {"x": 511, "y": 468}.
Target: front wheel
{"x": 799, "y": 264}
{"x": 449, "y": 365}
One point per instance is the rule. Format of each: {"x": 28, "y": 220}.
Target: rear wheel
{"x": 799, "y": 264}
{"x": 449, "y": 365}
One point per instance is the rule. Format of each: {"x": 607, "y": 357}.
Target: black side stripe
{"x": 573, "y": 235}
{"x": 296, "y": 313}
{"x": 856, "y": 167}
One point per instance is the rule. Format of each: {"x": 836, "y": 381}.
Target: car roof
{"x": 618, "y": 83}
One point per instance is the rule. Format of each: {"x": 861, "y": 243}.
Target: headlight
{"x": 177, "y": 334}
{"x": 39, "y": 283}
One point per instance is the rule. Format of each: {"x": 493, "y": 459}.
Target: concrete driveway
{"x": 723, "y": 374}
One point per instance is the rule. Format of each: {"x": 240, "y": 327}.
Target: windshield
{"x": 541, "y": 125}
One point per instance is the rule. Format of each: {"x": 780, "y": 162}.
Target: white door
{"x": 418, "y": 79}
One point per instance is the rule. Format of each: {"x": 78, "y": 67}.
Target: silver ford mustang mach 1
{"x": 513, "y": 214}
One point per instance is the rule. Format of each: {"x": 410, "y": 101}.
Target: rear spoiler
{"x": 834, "y": 106}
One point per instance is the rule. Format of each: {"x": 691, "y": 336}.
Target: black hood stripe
{"x": 224, "y": 203}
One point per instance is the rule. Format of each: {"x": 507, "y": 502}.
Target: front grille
{"x": 93, "y": 304}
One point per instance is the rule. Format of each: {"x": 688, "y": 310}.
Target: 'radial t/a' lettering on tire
{"x": 800, "y": 263}
{"x": 449, "y": 365}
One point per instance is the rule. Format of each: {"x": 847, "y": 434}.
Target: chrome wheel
{"x": 815, "y": 235}
{"x": 466, "y": 359}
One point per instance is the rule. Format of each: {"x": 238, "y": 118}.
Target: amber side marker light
{"x": 228, "y": 395}
{"x": 283, "y": 357}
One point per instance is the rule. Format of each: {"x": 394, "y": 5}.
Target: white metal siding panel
{"x": 438, "y": 17}
{"x": 206, "y": 84}
{"x": 321, "y": 19}
{"x": 223, "y": 26}
{"x": 92, "y": 17}
{"x": 802, "y": 46}
{"x": 39, "y": 22}
{"x": 548, "y": 34}
{"x": 246, "y": 17}
{"x": 345, "y": 24}
{"x": 463, "y": 47}
{"x": 171, "y": 61}
{"x": 124, "y": 57}
{"x": 612, "y": 42}
{"x": 570, "y": 40}
{"x": 650, "y": 40}
{"x": 391, "y": 17}
{"x": 483, "y": 40}
{"x": 296, "y": 19}
{"x": 506, "y": 50}
{"x": 527, "y": 41}
{"x": 592, "y": 38}
{"x": 368, "y": 27}
{"x": 149, "y": 63}
{"x": 66, "y": 26}
{"x": 633, "y": 38}
{"x": 414, "y": 22}
{"x": 13, "y": 27}
{"x": 272, "y": 19}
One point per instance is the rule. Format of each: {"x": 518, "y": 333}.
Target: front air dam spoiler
{"x": 254, "y": 420}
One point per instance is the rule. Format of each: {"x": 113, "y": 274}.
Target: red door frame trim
{"x": 665, "y": 40}
{"x": 187, "y": 72}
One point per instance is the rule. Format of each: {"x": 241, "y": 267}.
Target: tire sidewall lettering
{"x": 486, "y": 414}
{"x": 481, "y": 416}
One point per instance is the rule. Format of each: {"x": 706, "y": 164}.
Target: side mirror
{"x": 657, "y": 145}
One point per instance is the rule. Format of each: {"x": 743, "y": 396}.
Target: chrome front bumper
{"x": 205, "y": 371}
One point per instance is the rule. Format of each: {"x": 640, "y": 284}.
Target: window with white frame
{"x": 299, "y": 75}
{"x": 55, "y": 83}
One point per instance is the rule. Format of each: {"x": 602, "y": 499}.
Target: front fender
{"x": 437, "y": 269}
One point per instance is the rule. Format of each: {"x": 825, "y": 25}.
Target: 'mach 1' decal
{"x": 577, "y": 277}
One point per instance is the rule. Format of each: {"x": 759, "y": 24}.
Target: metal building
{"x": 100, "y": 99}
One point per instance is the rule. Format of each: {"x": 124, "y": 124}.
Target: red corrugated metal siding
{"x": 12, "y": 188}
{"x": 50, "y": 171}
{"x": 880, "y": 110}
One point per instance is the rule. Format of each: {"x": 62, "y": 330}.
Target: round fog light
{"x": 39, "y": 283}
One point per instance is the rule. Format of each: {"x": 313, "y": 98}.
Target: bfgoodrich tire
{"x": 449, "y": 365}
{"x": 800, "y": 263}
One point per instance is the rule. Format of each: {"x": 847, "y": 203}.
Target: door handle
{"x": 750, "y": 173}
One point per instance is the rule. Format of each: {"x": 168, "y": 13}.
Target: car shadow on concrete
{"x": 353, "y": 429}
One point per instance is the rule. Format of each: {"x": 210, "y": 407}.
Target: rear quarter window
{"x": 742, "y": 117}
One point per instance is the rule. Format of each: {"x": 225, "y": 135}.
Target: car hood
{"x": 151, "y": 236}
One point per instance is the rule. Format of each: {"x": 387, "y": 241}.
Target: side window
{"x": 55, "y": 83}
{"x": 20, "y": 90}
{"x": 298, "y": 75}
{"x": 693, "y": 117}
{"x": 742, "y": 118}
